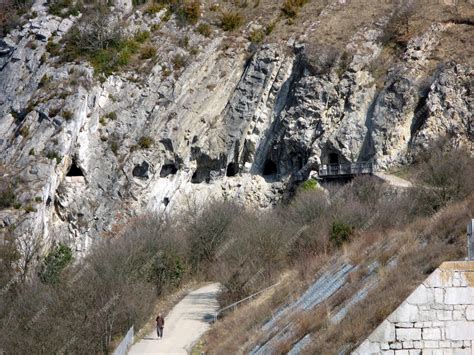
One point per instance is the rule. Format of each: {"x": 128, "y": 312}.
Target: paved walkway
{"x": 184, "y": 325}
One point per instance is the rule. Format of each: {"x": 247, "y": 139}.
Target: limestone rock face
{"x": 88, "y": 155}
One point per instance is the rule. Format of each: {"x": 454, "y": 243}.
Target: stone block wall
{"x": 437, "y": 318}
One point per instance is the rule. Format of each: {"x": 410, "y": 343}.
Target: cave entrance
{"x": 269, "y": 168}
{"x": 232, "y": 169}
{"x": 168, "y": 169}
{"x": 333, "y": 158}
{"x": 201, "y": 175}
{"x": 74, "y": 170}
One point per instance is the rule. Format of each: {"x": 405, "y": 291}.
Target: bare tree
{"x": 98, "y": 30}
{"x": 29, "y": 246}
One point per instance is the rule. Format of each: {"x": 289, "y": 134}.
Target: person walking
{"x": 160, "y": 324}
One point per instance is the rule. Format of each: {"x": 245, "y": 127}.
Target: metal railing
{"x": 235, "y": 304}
{"x": 346, "y": 169}
{"x": 125, "y": 344}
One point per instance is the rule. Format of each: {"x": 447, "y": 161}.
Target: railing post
{"x": 470, "y": 240}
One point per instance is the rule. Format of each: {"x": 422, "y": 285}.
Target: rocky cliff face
{"x": 238, "y": 122}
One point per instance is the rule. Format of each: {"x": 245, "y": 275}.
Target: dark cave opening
{"x": 333, "y": 158}
{"x": 269, "y": 168}
{"x": 168, "y": 169}
{"x": 201, "y": 175}
{"x": 141, "y": 170}
{"x": 74, "y": 170}
{"x": 232, "y": 169}
{"x": 421, "y": 114}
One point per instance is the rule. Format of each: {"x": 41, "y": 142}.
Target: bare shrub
{"x": 206, "y": 232}
{"x": 321, "y": 58}
{"x": 98, "y": 31}
{"x": 444, "y": 175}
{"x": 291, "y": 7}
{"x": 10, "y": 14}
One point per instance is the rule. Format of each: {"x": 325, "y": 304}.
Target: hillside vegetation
{"x": 118, "y": 111}
{"x": 245, "y": 250}
{"x": 405, "y": 235}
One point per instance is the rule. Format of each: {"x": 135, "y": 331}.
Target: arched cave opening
{"x": 74, "y": 170}
{"x": 232, "y": 169}
{"x": 141, "y": 170}
{"x": 270, "y": 168}
{"x": 168, "y": 169}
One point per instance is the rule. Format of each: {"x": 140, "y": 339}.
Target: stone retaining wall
{"x": 437, "y": 318}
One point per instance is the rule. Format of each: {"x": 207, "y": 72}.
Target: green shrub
{"x": 184, "y": 42}
{"x": 166, "y": 71}
{"x": 167, "y": 15}
{"x": 309, "y": 185}
{"x": 190, "y": 10}
{"x": 167, "y": 271}
{"x": 54, "y": 156}
{"x": 7, "y": 197}
{"x": 29, "y": 208}
{"x": 67, "y": 115}
{"x": 53, "y": 48}
{"x": 340, "y": 233}
{"x": 25, "y": 131}
{"x": 153, "y": 8}
{"x": 99, "y": 39}
{"x": 142, "y": 36}
{"x": 46, "y": 79}
{"x": 204, "y": 29}
{"x": 147, "y": 52}
{"x": 114, "y": 146}
{"x": 53, "y": 112}
{"x": 54, "y": 263}
{"x": 270, "y": 27}
{"x": 145, "y": 142}
{"x": 257, "y": 36}
{"x": 112, "y": 115}
{"x": 63, "y": 8}
{"x": 179, "y": 61}
{"x": 32, "y": 151}
{"x": 155, "y": 27}
{"x": 231, "y": 20}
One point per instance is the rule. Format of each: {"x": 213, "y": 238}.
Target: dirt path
{"x": 393, "y": 180}
{"x": 184, "y": 325}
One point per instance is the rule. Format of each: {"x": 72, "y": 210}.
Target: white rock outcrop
{"x": 237, "y": 122}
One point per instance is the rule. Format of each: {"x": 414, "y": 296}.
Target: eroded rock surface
{"x": 231, "y": 124}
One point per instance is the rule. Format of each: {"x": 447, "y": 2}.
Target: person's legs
{"x": 158, "y": 334}
{"x": 161, "y": 331}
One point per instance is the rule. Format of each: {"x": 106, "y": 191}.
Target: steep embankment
{"x": 218, "y": 115}
{"x": 333, "y": 300}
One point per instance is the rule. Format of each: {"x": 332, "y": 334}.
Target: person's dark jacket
{"x": 160, "y": 322}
